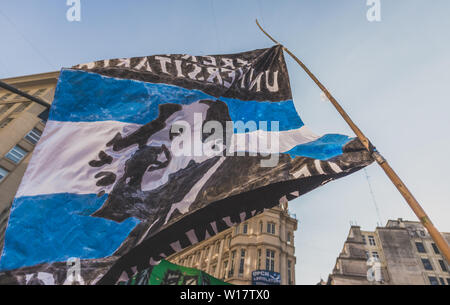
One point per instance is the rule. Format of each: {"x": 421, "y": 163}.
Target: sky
{"x": 391, "y": 76}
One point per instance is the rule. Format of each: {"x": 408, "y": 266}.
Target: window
{"x": 427, "y": 264}
{"x": 270, "y": 260}
{"x": 233, "y": 256}
{"x": 5, "y": 122}
{"x": 40, "y": 91}
{"x": 367, "y": 255}
{"x": 16, "y": 154}
{"x": 34, "y": 136}
{"x": 3, "y": 173}
{"x": 5, "y": 97}
{"x": 442, "y": 281}
{"x": 375, "y": 255}
{"x": 258, "y": 264}
{"x": 364, "y": 239}
{"x": 21, "y": 107}
{"x": 435, "y": 248}
{"x": 448, "y": 280}
{"x": 236, "y": 231}
{"x": 443, "y": 266}
{"x": 245, "y": 228}
{"x": 372, "y": 240}
{"x": 289, "y": 271}
{"x": 5, "y": 108}
{"x": 229, "y": 241}
{"x": 420, "y": 248}
{"x": 261, "y": 226}
{"x": 433, "y": 280}
{"x": 271, "y": 228}
{"x": 242, "y": 262}
{"x": 19, "y": 97}
{"x": 288, "y": 237}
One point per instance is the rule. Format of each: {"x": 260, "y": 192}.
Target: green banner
{"x": 167, "y": 273}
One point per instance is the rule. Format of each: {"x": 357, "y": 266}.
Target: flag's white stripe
{"x": 272, "y": 141}
{"x": 319, "y": 167}
{"x": 60, "y": 162}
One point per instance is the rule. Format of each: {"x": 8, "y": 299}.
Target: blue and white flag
{"x": 143, "y": 157}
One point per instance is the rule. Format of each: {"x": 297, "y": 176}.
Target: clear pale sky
{"x": 392, "y": 77}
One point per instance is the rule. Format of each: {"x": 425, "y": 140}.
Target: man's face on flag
{"x": 138, "y": 161}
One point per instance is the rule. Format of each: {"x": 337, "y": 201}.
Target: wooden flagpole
{"x": 412, "y": 202}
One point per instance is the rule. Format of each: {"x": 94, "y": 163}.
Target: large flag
{"x": 143, "y": 157}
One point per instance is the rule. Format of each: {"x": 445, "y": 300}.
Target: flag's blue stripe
{"x": 90, "y": 97}
{"x": 54, "y": 228}
{"x": 327, "y": 147}
{"x": 282, "y": 112}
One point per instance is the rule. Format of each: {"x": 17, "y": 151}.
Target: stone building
{"x": 404, "y": 250}
{"x": 265, "y": 242}
{"x": 20, "y": 130}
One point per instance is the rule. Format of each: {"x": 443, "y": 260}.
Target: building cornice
{"x": 31, "y": 80}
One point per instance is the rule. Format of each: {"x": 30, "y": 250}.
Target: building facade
{"x": 403, "y": 250}
{"x": 265, "y": 242}
{"x": 20, "y": 130}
